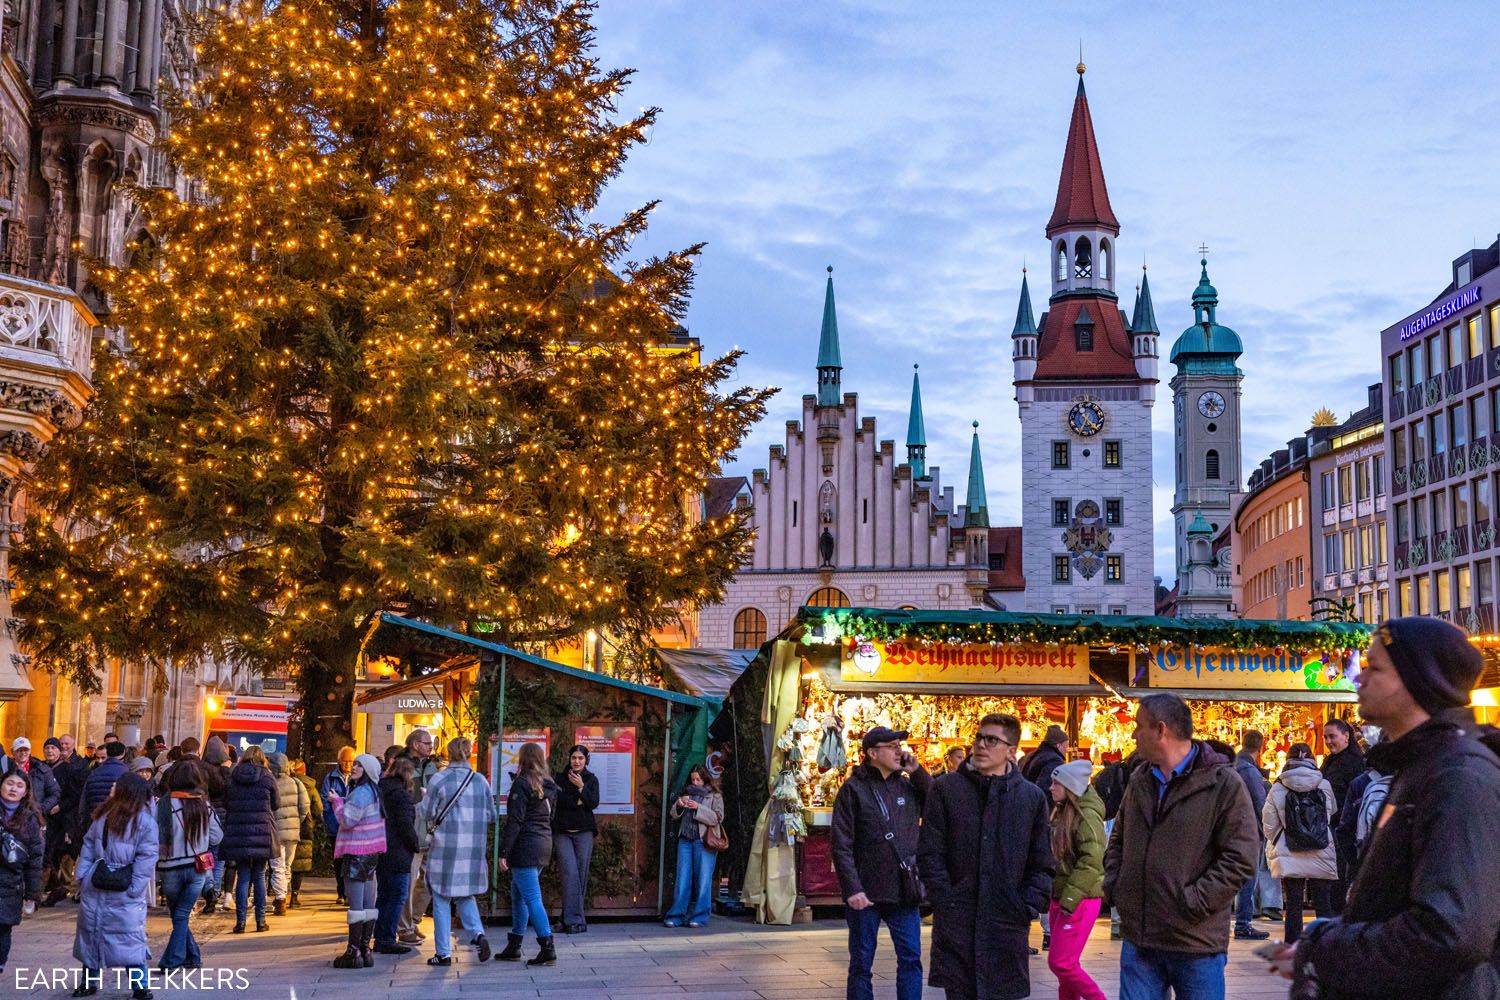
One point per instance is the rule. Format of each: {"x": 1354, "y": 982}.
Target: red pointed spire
{"x": 1082, "y": 199}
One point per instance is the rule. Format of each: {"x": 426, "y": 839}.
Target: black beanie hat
{"x": 1434, "y": 659}
{"x": 1055, "y": 735}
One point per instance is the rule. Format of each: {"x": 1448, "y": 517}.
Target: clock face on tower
{"x": 1211, "y": 404}
{"x": 1086, "y": 418}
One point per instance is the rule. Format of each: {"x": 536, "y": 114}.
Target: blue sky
{"x": 1335, "y": 158}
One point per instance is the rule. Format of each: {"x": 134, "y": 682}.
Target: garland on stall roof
{"x": 1142, "y": 633}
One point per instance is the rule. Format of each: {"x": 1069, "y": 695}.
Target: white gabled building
{"x": 840, "y": 520}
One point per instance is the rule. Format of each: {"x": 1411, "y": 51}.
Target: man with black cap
{"x": 1037, "y": 766}
{"x": 1423, "y": 917}
{"x": 876, "y": 821}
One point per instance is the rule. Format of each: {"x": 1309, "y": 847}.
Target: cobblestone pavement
{"x": 728, "y": 960}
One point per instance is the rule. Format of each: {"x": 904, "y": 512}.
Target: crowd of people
{"x": 199, "y": 827}
{"x": 1187, "y": 841}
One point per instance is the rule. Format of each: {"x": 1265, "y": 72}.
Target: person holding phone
{"x": 876, "y": 822}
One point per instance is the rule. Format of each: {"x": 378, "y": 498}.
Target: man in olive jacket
{"x": 1423, "y": 917}
{"x": 883, "y": 796}
{"x": 1183, "y": 844}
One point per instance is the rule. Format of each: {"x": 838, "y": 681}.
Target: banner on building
{"x": 903, "y": 662}
{"x": 1250, "y": 669}
{"x": 612, "y": 759}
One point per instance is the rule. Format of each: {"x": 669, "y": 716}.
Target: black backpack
{"x": 1306, "y": 820}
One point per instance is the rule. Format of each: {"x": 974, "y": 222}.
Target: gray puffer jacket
{"x": 294, "y": 804}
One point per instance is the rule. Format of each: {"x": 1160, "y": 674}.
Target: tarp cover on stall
{"x": 704, "y": 673}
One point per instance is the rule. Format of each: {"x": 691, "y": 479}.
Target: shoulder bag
{"x": 203, "y": 861}
{"x": 424, "y": 834}
{"x": 108, "y": 877}
{"x": 12, "y": 851}
{"x": 912, "y": 890}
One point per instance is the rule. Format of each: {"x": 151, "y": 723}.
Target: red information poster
{"x": 612, "y": 759}
{"x": 505, "y": 757}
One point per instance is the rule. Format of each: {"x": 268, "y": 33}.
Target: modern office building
{"x": 1442, "y": 437}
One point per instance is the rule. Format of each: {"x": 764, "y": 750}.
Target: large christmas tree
{"x": 384, "y": 356}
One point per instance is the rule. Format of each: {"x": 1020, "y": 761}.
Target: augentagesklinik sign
{"x": 973, "y": 663}
{"x": 1246, "y": 669}
{"x": 1440, "y": 312}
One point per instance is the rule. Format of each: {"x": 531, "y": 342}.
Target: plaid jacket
{"x": 456, "y": 858}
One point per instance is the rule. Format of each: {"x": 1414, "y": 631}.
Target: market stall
{"x": 642, "y": 740}
{"x": 936, "y": 674}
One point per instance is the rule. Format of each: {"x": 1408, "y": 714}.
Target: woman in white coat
{"x": 1299, "y": 838}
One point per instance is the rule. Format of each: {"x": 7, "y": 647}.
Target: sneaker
{"x": 671, "y": 923}
{"x": 1046, "y": 942}
{"x": 484, "y": 948}
{"x": 1245, "y": 932}
{"x": 694, "y": 923}
{"x": 440, "y": 960}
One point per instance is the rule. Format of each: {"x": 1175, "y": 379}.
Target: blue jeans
{"x": 247, "y": 872}
{"x": 181, "y": 886}
{"x": 390, "y": 896}
{"x": 214, "y": 880}
{"x": 1244, "y": 905}
{"x": 695, "y": 883}
{"x": 905, "y": 926}
{"x": 442, "y": 921}
{"x": 1146, "y": 973}
{"x": 526, "y": 902}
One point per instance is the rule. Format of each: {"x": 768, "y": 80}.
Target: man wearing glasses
{"x": 875, "y": 824}
{"x": 986, "y": 859}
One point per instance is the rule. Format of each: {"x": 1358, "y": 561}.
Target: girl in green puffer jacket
{"x": 1078, "y": 886}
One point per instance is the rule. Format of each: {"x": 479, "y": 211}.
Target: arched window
{"x": 1211, "y": 465}
{"x": 749, "y": 629}
{"x": 1062, "y": 261}
{"x": 828, "y": 597}
{"x": 1104, "y": 261}
{"x": 1083, "y": 258}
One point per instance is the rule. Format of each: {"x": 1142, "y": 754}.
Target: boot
{"x": 210, "y": 902}
{"x": 351, "y": 958}
{"x": 548, "y": 954}
{"x": 296, "y": 902}
{"x": 365, "y": 938}
{"x": 280, "y": 908}
{"x": 512, "y": 952}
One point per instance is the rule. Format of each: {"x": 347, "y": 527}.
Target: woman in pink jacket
{"x": 361, "y": 839}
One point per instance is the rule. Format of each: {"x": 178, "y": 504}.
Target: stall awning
{"x": 706, "y": 673}
{"x": 458, "y": 641}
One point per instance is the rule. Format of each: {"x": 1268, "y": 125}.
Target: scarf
{"x": 687, "y": 828}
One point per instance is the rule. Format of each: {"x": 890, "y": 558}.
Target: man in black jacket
{"x": 986, "y": 860}
{"x": 63, "y": 841}
{"x": 1247, "y": 766}
{"x": 1341, "y": 765}
{"x": 1422, "y": 918}
{"x": 876, "y": 819}
{"x": 1037, "y": 767}
{"x": 98, "y": 785}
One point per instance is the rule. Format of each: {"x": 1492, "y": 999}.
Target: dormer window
{"x": 1083, "y": 330}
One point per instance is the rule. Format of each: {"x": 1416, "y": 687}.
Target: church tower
{"x": 1085, "y": 381}
{"x": 1206, "y": 428}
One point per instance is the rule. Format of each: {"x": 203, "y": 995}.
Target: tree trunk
{"x": 327, "y": 705}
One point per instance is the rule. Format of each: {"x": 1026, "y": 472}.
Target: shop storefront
{"x": 641, "y": 739}
{"x": 840, "y": 672}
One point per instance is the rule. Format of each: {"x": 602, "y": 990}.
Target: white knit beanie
{"x": 1074, "y": 775}
{"x": 371, "y": 764}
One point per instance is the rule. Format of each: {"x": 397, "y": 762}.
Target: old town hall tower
{"x": 1085, "y": 381}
